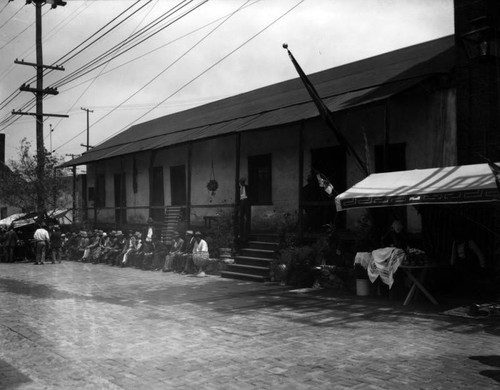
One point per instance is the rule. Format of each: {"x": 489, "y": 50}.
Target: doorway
{"x": 178, "y": 185}
{"x": 330, "y": 162}
{"x": 120, "y": 199}
{"x": 156, "y": 198}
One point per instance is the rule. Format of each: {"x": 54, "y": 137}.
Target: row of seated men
{"x": 116, "y": 249}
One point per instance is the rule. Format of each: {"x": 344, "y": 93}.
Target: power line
{"x": 86, "y": 40}
{"x": 202, "y": 73}
{"x": 50, "y": 34}
{"x": 156, "y": 49}
{"x": 210, "y": 67}
{"x": 173, "y": 8}
{"x": 89, "y": 86}
{"x": 5, "y": 6}
{"x": 85, "y": 68}
{"x": 71, "y": 139}
{"x": 46, "y": 72}
{"x": 13, "y": 16}
{"x": 9, "y": 120}
{"x": 168, "y": 67}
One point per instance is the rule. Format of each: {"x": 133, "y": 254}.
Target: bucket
{"x": 362, "y": 287}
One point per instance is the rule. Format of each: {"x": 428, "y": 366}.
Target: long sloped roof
{"x": 341, "y": 87}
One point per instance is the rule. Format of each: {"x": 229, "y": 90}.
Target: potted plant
{"x": 212, "y": 186}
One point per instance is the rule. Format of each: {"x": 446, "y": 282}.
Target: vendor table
{"x": 418, "y": 280}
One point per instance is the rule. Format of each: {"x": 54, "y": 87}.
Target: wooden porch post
{"x": 301, "y": 178}
{"x": 237, "y": 146}
{"x": 188, "y": 184}
{"x": 96, "y": 196}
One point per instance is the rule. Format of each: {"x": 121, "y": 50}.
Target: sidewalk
{"x": 76, "y": 325}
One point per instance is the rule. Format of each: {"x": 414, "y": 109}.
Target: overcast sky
{"x": 205, "y": 55}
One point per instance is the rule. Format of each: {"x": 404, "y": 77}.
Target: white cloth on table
{"x": 385, "y": 263}
{"x": 363, "y": 259}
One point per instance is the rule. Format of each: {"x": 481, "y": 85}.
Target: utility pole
{"x": 74, "y": 186}
{"x": 50, "y": 125}
{"x": 88, "y": 127}
{"x": 40, "y": 92}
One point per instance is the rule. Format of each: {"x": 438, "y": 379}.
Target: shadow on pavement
{"x": 10, "y": 377}
{"x": 322, "y": 308}
{"x": 492, "y": 361}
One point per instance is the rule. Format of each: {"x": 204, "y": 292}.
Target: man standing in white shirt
{"x": 244, "y": 209}
{"x": 42, "y": 240}
{"x": 200, "y": 253}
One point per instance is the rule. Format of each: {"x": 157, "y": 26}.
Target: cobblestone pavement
{"x": 84, "y": 326}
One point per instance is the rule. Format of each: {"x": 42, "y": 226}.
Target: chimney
{"x": 477, "y": 32}
{"x": 2, "y": 148}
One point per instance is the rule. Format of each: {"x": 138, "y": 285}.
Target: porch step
{"x": 170, "y": 223}
{"x": 243, "y": 276}
{"x": 272, "y": 246}
{"x": 249, "y": 270}
{"x": 264, "y": 237}
{"x": 261, "y": 253}
{"x": 252, "y": 261}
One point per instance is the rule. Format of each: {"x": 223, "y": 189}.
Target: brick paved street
{"x": 87, "y": 326}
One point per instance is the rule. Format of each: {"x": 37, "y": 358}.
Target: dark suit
{"x": 245, "y": 213}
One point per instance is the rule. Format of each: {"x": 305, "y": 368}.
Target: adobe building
{"x": 434, "y": 104}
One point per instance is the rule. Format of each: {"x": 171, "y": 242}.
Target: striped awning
{"x": 446, "y": 185}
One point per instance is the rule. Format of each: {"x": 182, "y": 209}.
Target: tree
{"x": 21, "y": 185}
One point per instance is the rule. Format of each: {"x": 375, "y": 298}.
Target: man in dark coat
{"x": 10, "y": 244}
{"x": 56, "y": 244}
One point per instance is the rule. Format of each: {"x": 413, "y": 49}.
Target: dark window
{"x": 91, "y": 194}
{"x": 178, "y": 185}
{"x": 100, "y": 191}
{"x": 319, "y": 206}
{"x": 120, "y": 198}
{"x": 156, "y": 198}
{"x": 84, "y": 192}
{"x": 3, "y": 212}
{"x": 260, "y": 179}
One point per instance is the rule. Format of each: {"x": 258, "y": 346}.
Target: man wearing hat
{"x": 149, "y": 234}
{"x": 117, "y": 248}
{"x": 90, "y": 250}
{"x": 200, "y": 253}
{"x": 106, "y": 244}
{"x": 175, "y": 250}
{"x": 189, "y": 266}
{"x": 181, "y": 260}
{"x": 133, "y": 245}
{"x": 42, "y": 241}
{"x": 10, "y": 243}
{"x": 83, "y": 244}
{"x": 56, "y": 244}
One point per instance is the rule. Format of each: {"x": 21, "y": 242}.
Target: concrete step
{"x": 240, "y": 276}
{"x": 264, "y": 237}
{"x": 248, "y": 269}
{"x": 272, "y": 246}
{"x": 252, "y": 261}
{"x": 253, "y": 252}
